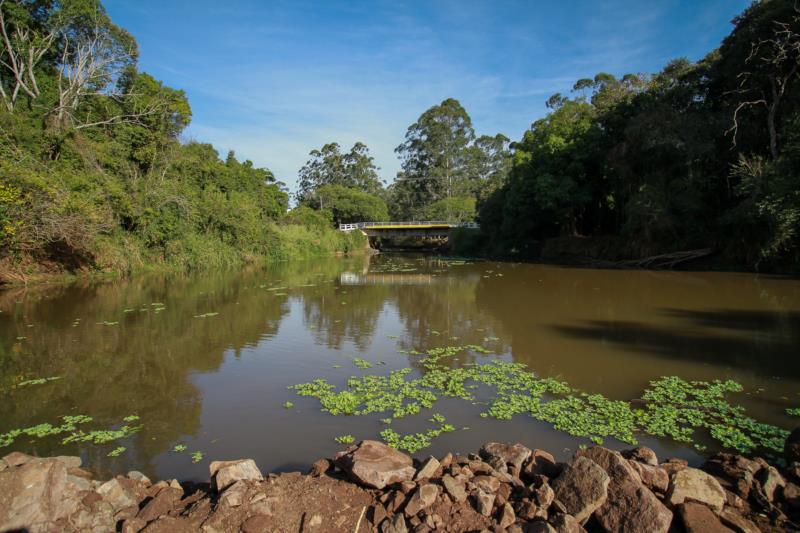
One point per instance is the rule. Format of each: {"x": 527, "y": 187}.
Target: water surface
{"x": 216, "y": 383}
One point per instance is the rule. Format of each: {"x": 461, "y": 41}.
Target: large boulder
{"x": 34, "y": 493}
{"x": 631, "y": 506}
{"x": 226, "y": 473}
{"x": 791, "y": 449}
{"x": 582, "y": 488}
{"x": 375, "y": 464}
{"x": 695, "y": 485}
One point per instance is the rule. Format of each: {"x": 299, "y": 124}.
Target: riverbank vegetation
{"x": 701, "y": 156}
{"x": 94, "y": 175}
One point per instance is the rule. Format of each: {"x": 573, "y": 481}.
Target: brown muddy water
{"x": 216, "y": 383}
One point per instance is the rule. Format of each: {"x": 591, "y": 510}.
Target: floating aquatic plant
{"x": 670, "y": 407}
{"x": 197, "y": 457}
{"x": 362, "y": 363}
{"x": 179, "y": 448}
{"x": 37, "y": 381}
{"x": 288, "y": 405}
{"x": 116, "y": 452}
{"x": 69, "y": 424}
{"x": 795, "y": 411}
{"x": 345, "y": 439}
{"x": 206, "y": 315}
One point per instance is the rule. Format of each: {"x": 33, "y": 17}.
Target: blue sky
{"x": 274, "y": 79}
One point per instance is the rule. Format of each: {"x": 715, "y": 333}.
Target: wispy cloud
{"x": 274, "y": 80}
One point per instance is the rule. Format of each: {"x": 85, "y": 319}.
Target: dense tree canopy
{"x": 329, "y": 166}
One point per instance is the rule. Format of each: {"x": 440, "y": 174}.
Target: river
{"x": 204, "y": 360}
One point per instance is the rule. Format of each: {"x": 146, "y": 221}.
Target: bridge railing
{"x": 363, "y": 225}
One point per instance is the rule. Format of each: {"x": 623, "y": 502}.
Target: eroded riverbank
{"x": 372, "y": 487}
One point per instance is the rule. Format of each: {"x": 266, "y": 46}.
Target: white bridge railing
{"x": 395, "y": 225}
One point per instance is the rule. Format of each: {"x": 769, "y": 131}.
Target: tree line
{"x": 93, "y": 174}
{"x": 700, "y": 155}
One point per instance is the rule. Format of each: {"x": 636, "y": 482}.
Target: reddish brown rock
{"x": 540, "y": 463}
{"x": 698, "y": 518}
{"x": 695, "y": 485}
{"x": 375, "y": 464}
{"x": 791, "y": 448}
{"x": 513, "y": 454}
{"x": 226, "y": 473}
{"x": 643, "y": 455}
{"x": 582, "y": 488}
{"x": 737, "y": 522}
{"x": 630, "y": 506}
{"x": 422, "y": 498}
{"x": 654, "y": 477}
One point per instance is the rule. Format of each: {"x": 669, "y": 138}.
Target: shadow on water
{"x": 763, "y": 321}
{"x": 763, "y": 342}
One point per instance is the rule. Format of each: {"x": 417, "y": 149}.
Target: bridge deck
{"x": 415, "y": 225}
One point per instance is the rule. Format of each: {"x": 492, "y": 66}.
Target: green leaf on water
{"x": 116, "y": 452}
{"x": 197, "y": 457}
{"x": 179, "y": 448}
{"x": 345, "y": 439}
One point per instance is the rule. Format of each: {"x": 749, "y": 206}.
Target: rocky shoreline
{"x": 372, "y": 487}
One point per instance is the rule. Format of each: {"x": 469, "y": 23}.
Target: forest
{"x": 95, "y": 174}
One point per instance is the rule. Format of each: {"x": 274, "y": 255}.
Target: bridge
{"x": 427, "y": 228}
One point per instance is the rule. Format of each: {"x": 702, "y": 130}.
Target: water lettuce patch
{"x": 670, "y": 407}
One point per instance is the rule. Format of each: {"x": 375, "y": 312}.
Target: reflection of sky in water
{"x": 217, "y": 384}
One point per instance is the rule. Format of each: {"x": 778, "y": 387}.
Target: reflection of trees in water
{"x": 355, "y": 320}
{"x": 142, "y": 365}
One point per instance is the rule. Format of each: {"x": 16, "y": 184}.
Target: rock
{"x": 654, "y": 477}
{"x": 226, "y": 473}
{"x": 791, "y": 448}
{"x": 631, "y": 506}
{"x": 673, "y": 466}
{"x": 486, "y": 483}
{"x": 256, "y": 524}
{"x": 17, "y": 459}
{"x": 375, "y": 464}
{"x": 447, "y": 460}
{"x": 161, "y": 504}
{"x": 735, "y": 472}
{"x": 479, "y": 467}
{"x": 422, "y": 498}
{"x": 484, "y": 502}
{"x": 170, "y": 524}
{"x": 507, "y": 516}
{"x": 582, "y": 488}
{"x": 396, "y": 524}
{"x": 454, "y": 488}
{"x": 698, "y": 518}
{"x": 118, "y": 495}
{"x": 539, "y": 526}
{"x": 540, "y": 463}
{"x": 791, "y": 495}
{"x": 564, "y": 523}
{"x": 427, "y": 469}
{"x": 695, "y": 485}
{"x": 527, "y": 510}
{"x": 515, "y": 454}
{"x": 34, "y": 493}
{"x": 376, "y": 514}
{"x": 544, "y": 496}
{"x": 771, "y": 481}
{"x": 642, "y": 454}
{"x": 320, "y": 467}
{"x": 79, "y": 483}
{"x": 235, "y": 495}
{"x": 315, "y": 521}
{"x": 737, "y": 522}
{"x": 69, "y": 461}
{"x": 133, "y": 525}
{"x": 794, "y": 471}
{"x": 138, "y": 476}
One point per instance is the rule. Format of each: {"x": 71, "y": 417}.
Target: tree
{"x": 348, "y": 205}
{"x": 328, "y": 166}
{"x": 761, "y": 59}
{"x": 454, "y": 210}
{"x": 435, "y": 155}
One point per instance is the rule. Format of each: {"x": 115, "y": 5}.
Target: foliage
{"x": 455, "y": 210}
{"x": 95, "y": 176}
{"x": 328, "y": 166}
{"x": 345, "y": 439}
{"x": 670, "y": 407}
{"x": 348, "y": 204}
